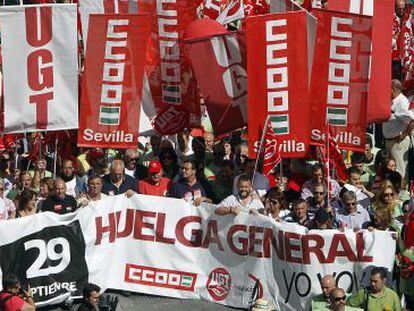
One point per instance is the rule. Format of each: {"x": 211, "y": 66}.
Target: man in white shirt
{"x": 398, "y": 128}
{"x": 243, "y": 201}
{"x": 350, "y": 214}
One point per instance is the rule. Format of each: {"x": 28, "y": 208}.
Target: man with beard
{"x": 243, "y": 201}
{"x": 74, "y": 184}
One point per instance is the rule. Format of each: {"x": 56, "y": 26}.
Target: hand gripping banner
{"x": 39, "y": 48}
{"x": 167, "y": 247}
{"x": 340, "y": 76}
{"x": 112, "y": 83}
{"x": 277, "y": 64}
{"x": 379, "y": 94}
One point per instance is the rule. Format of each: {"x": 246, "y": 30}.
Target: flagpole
{"x": 260, "y": 148}
{"x": 327, "y": 162}
{"x": 55, "y": 157}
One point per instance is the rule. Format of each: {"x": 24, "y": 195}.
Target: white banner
{"x": 39, "y": 46}
{"x": 86, "y": 8}
{"x": 167, "y": 247}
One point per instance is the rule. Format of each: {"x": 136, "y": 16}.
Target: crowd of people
{"x": 198, "y": 167}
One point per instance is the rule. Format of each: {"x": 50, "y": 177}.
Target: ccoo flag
{"x": 277, "y": 64}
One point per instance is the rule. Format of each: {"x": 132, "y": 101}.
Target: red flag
{"x": 336, "y": 155}
{"x": 277, "y": 64}
{"x": 379, "y": 108}
{"x": 112, "y": 82}
{"x": 339, "y": 83}
{"x": 36, "y": 148}
{"x": 256, "y": 7}
{"x": 271, "y": 156}
{"x": 170, "y": 77}
{"x": 219, "y": 64}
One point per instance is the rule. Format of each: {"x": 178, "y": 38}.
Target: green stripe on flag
{"x": 281, "y": 118}
{"x": 337, "y": 122}
{"x": 281, "y": 130}
{"x": 341, "y": 111}
{"x": 110, "y": 110}
{"x": 106, "y": 121}
{"x": 169, "y": 99}
{"x": 280, "y": 124}
{"x": 171, "y": 88}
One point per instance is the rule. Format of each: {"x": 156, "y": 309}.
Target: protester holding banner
{"x": 189, "y": 187}
{"x": 245, "y": 200}
{"x": 286, "y": 80}
{"x": 155, "y": 184}
{"x": 117, "y": 182}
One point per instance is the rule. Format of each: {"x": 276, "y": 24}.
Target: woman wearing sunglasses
{"x": 275, "y": 204}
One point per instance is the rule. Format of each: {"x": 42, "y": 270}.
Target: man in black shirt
{"x": 90, "y": 298}
{"x": 60, "y": 202}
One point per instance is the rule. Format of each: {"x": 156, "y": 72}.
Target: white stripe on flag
{"x": 108, "y": 115}
{"x": 355, "y": 6}
{"x": 368, "y": 7}
{"x": 280, "y": 124}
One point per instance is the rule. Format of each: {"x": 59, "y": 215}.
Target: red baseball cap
{"x": 154, "y": 167}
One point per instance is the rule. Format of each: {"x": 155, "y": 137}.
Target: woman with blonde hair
{"x": 387, "y": 198}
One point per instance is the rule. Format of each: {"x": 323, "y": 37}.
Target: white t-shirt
{"x": 233, "y": 200}
{"x": 70, "y": 187}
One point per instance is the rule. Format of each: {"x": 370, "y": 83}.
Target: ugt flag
{"x": 39, "y": 46}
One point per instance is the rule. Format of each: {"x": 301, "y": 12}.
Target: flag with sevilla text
{"x": 340, "y": 76}
{"x": 382, "y": 11}
{"x": 277, "y": 64}
{"x": 112, "y": 82}
{"x": 40, "y": 69}
{"x": 219, "y": 63}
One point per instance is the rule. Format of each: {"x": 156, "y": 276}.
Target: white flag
{"x": 39, "y": 45}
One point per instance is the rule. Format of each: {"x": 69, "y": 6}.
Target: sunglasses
{"x": 273, "y": 202}
{"x": 317, "y": 192}
{"x": 337, "y": 299}
{"x": 388, "y": 194}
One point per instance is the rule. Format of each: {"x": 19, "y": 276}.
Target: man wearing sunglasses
{"x": 337, "y": 298}
{"x": 350, "y": 214}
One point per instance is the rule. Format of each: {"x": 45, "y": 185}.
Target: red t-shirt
{"x": 146, "y": 187}
{"x": 13, "y": 304}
